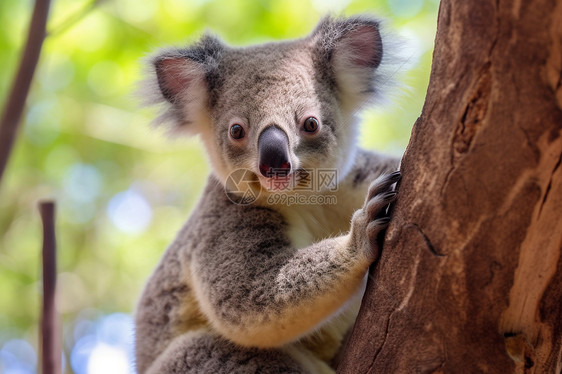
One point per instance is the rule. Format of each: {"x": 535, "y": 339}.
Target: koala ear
{"x": 353, "y": 50}
{"x": 184, "y": 79}
{"x": 177, "y": 76}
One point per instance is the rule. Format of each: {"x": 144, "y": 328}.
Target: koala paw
{"x": 368, "y": 222}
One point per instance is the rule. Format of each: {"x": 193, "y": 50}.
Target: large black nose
{"x": 273, "y": 147}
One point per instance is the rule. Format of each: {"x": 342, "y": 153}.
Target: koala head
{"x": 278, "y": 108}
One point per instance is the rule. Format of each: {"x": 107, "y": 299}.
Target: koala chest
{"x": 310, "y": 223}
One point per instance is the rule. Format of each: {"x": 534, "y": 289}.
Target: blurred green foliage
{"x": 122, "y": 188}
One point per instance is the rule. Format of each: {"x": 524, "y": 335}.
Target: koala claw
{"x": 375, "y": 227}
{"x": 383, "y": 184}
{"x": 373, "y": 219}
{"x": 376, "y": 207}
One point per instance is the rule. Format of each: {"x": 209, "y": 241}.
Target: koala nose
{"x": 273, "y": 148}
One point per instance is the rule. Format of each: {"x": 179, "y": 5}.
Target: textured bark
{"x": 470, "y": 278}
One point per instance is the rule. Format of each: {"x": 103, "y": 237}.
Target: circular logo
{"x": 242, "y": 187}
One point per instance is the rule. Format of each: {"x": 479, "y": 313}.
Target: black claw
{"x": 395, "y": 176}
{"x": 389, "y": 195}
{"x": 383, "y": 220}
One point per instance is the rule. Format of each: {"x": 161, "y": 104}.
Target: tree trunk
{"x": 470, "y": 278}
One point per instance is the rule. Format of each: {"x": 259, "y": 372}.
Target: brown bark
{"x": 470, "y": 278}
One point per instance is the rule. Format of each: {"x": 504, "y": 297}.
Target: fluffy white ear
{"x": 353, "y": 48}
{"x": 184, "y": 79}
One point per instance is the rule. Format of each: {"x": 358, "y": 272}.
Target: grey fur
{"x": 205, "y": 353}
{"x": 262, "y": 287}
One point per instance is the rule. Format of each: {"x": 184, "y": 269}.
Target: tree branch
{"x": 74, "y": 18}
{"x": 50, "y": 339}
{"x": 15, "y": 103}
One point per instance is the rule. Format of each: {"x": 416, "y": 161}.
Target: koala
{"x": 259, "y": 285}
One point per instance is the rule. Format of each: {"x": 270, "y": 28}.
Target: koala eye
{"x": 310, "y": 125}
{"x": 237, "y": 132}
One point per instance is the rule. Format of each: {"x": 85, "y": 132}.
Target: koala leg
{"x": 200, "y": 352}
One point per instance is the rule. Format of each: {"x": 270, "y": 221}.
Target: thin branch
{"x": 13, "y": 108}
{"x": 50, "y": 339}
{"x": 74, "y": 18}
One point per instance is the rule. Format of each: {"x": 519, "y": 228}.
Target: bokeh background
{"x": 122, "y": 188}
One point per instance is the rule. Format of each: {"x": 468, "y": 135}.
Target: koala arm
{"x": 258, "y": 290}
{"x": 280, "y": 299}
